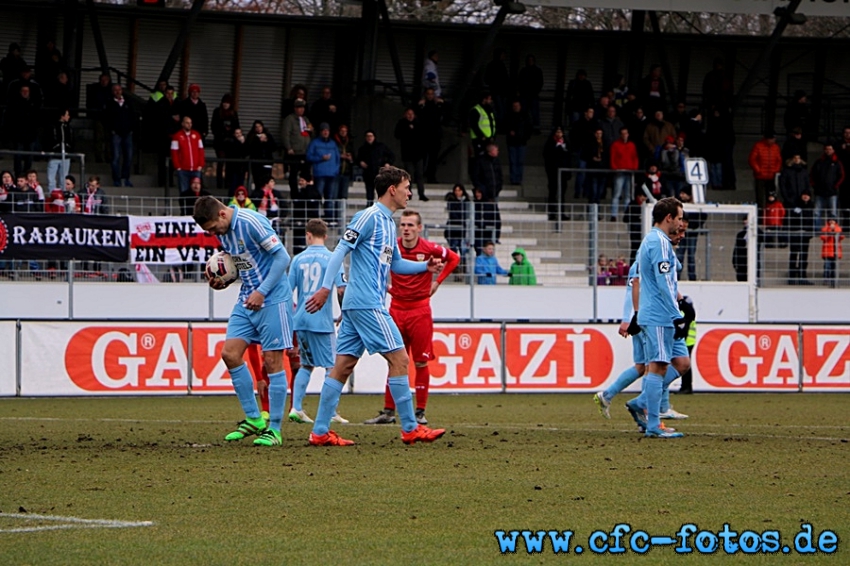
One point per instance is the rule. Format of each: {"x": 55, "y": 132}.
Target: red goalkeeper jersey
{"x": 410, "y": 291}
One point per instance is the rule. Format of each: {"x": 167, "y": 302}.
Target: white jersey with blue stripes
{"x": 252, "y": 241}
{"x": 659, "y": 291}
{"x": 371, "y": 235}
{"x": 306, "y": 273}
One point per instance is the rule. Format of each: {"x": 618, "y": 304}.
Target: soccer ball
{"x": 220, "y": 266}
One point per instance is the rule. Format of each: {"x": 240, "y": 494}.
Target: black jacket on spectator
{"x": 796, "y": 116}
{"x": 198, "y": 114}
{"x": 579, "y": 96}
{"x": 27, "y": 201}
{"x": 555, "y": 156}
{"x": 595, "y": 154}
{"x": 36, "y": 93}
{"x": 11, "y": 67}
{"x": 486, "y": 220}
{"x": 530, "y": 81}
{"x": 22, "y": 119}
{"x": 430, "y": 116}
{"x": 375, "y": 155}
{"x": 320, "y": 112}
{"x": 97, "y": 96}
{"x": 827, "y": 176}
{"x": 120, "y": 119}
{"x": 488, "y": 175}
{"x": 260, "y": 150}
{"x": 223, "y": 125}
{"x": 695, "y": 219}
{"x": 458, "y": 212}
{"x": 694, "y": 137}
{"x": 410, "y": 135}
{"x": 58, "y": 95}
{"x": 652, "y": 103}
{"x": 800, "y": 219}
{"x": 581, "y": 132}
{"x": 165, "y": 125}
{"x": 520, "y": 124}
{"x": 794, "y": 146}
{"x": 842, "y": 150}
{"x": 793, "y": 180}
{"x": 497, "y": 78}
{"x": 60, "y": 133}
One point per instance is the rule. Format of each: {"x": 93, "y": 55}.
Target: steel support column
{"x": 98, "y": 37}
{"x": 483, "y": 50}
{"x": 637, "y": 46}
{"x": 393, "y": 49}
{"x": 369, "y": 47}
{"x": 772, "y": 90}
{"x": 177, "y": 48}
{"x": 756, "y": 69}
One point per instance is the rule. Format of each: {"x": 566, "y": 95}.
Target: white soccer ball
{"x": 220, "y": 266}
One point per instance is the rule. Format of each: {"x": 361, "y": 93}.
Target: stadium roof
{"x": 840, "y": 8}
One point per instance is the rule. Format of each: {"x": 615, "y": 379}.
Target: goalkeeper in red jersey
{"x": 411, "y": 309}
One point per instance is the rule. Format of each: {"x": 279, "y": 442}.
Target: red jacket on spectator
{"x": 55, "y": 201}
{"x": 624, "y": 155}
{"x": 765, "y": 160}
{"x": 831, "y": 236}
{"x": 187, "y": 151}
{"x": 774, "y": 213}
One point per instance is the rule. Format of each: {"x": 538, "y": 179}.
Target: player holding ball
{"x": 262, "y": 313}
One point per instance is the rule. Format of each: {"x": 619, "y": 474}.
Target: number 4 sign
{"x": 696, "y": 174}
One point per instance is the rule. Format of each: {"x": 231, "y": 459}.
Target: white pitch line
{"x": 68, "y": 523}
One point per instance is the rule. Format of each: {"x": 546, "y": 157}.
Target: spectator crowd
{"x": 608, "y": 134}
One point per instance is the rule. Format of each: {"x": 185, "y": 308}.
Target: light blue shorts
{"x": 658, "y": 343}
{"x": 637, "y": 348}
{"x": 317, "y": 349}
{"x": 372, "y": 330}
{"x": 270, "y": 327}
{"x": 680, "y": 349}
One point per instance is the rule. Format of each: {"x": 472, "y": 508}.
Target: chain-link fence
{"x": 580, "y": 245}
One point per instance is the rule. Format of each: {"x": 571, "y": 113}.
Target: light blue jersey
{"x": 628, "y": 307}
{"x": 658, "y": 281}
{"x": 251, "y": 242}
{"x": 306, "y": 273}
{"x": 371, "y": 236}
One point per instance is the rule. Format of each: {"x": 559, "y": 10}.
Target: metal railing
{"x": 564, "y": 253}
{"x": 38, "y": 156}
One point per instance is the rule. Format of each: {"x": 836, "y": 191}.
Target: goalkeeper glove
{"x": 634, "y": 327}
{"x": 681, "y": 328}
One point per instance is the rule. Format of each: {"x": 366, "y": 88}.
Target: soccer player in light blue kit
{"x": 316, "y": 332}
{"x": 629, "y": 327}
{"x": 370, "y": 238}
{"x": 262, "y": 313}
{"x": 658, "y": 312}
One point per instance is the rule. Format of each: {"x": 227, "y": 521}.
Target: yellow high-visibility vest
{"x": 486, "y": 123}
{"x": 691, "y": 338}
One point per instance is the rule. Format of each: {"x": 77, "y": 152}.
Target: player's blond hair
{"x": 411, "y": 212}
